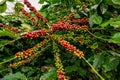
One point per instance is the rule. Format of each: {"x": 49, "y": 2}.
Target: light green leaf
{"x": 106, "y": 23}
{"x": 115, "y": 38}
{"x": 7, "y": 32}
{"x": 77, "y": 16}
{"x": 97, "y": 19}
{"x": 26, "y": 27}
{"x": 116, "y": 2}
{"x": 2, "y": 2}
{"x": 115, "y": 24}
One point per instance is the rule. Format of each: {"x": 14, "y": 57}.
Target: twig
{"x": 10, "y": 42}
{"x": 97, "y": 37}
{"x": 8, "y": 60}
{"x": 94, "y": 69}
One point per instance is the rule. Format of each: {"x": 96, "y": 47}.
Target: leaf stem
{"x": 10, "y": 42}
{"x": 94, "y": 69}
{"x": 97, "y": 36}
{"x": 8, "y": 60}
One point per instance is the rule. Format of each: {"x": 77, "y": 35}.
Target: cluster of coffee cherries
{"x": 71, "y": 48}
{"x": 34, "y": 34}
{"x": 32, "y": 8}
{"x": 27, "y": 55}
{"x": 22, "y": 62}
{"x": 28, "y": 15}
{"x": 80, "y": 21}
{"x": 63, "y": 25}
{"x": 60, "y": 71}
{"x": 15, "y": 30}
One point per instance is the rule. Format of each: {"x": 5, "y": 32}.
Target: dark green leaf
{"x": 99, "y": 58}
{"x": 50, "y": 75}
{"x": 11, "y": 0}
{"x": 15, "y": 76}
{"x": 69, "y": 69}
{"x": 103, "y": 8}
{"x": 111, "y": 63}
{"x": 82, "y": 71}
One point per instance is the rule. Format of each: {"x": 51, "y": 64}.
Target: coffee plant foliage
{"x": 63, "y": 40}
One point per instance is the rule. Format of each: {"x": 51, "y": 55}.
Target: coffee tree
{"x": 64, "y": 40}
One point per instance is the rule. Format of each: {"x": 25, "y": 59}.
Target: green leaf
{"x": 106, "y": 23}
{"x": 3, "y": 7}
{"x": 97, "y": 19}
{"x": 115, "y": 38}
{"x": 94, "y": 46}
{"x": 7, "y": 32}
{"x": 50, "y": 75}
{"x": 98, "y": 1}
{"x": 82, "y": 71}
{"x": 41, "y": 1}
{"x": 18, "y": 6}
{"x": 115, "y": 53}
{"x": 69, "y": 69}
{"x": 10, "y": 0}
{"x": 16, "y": 76}
{"x": 116, "y": 2}
{"x": 115, "y": 24}
{"x": 26, "y": 27}
{"x": 111, "y": 63}
{"x": 2, "y": 2}
{"x": 98, "y": 60}
{"x": 77, "y": 16}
